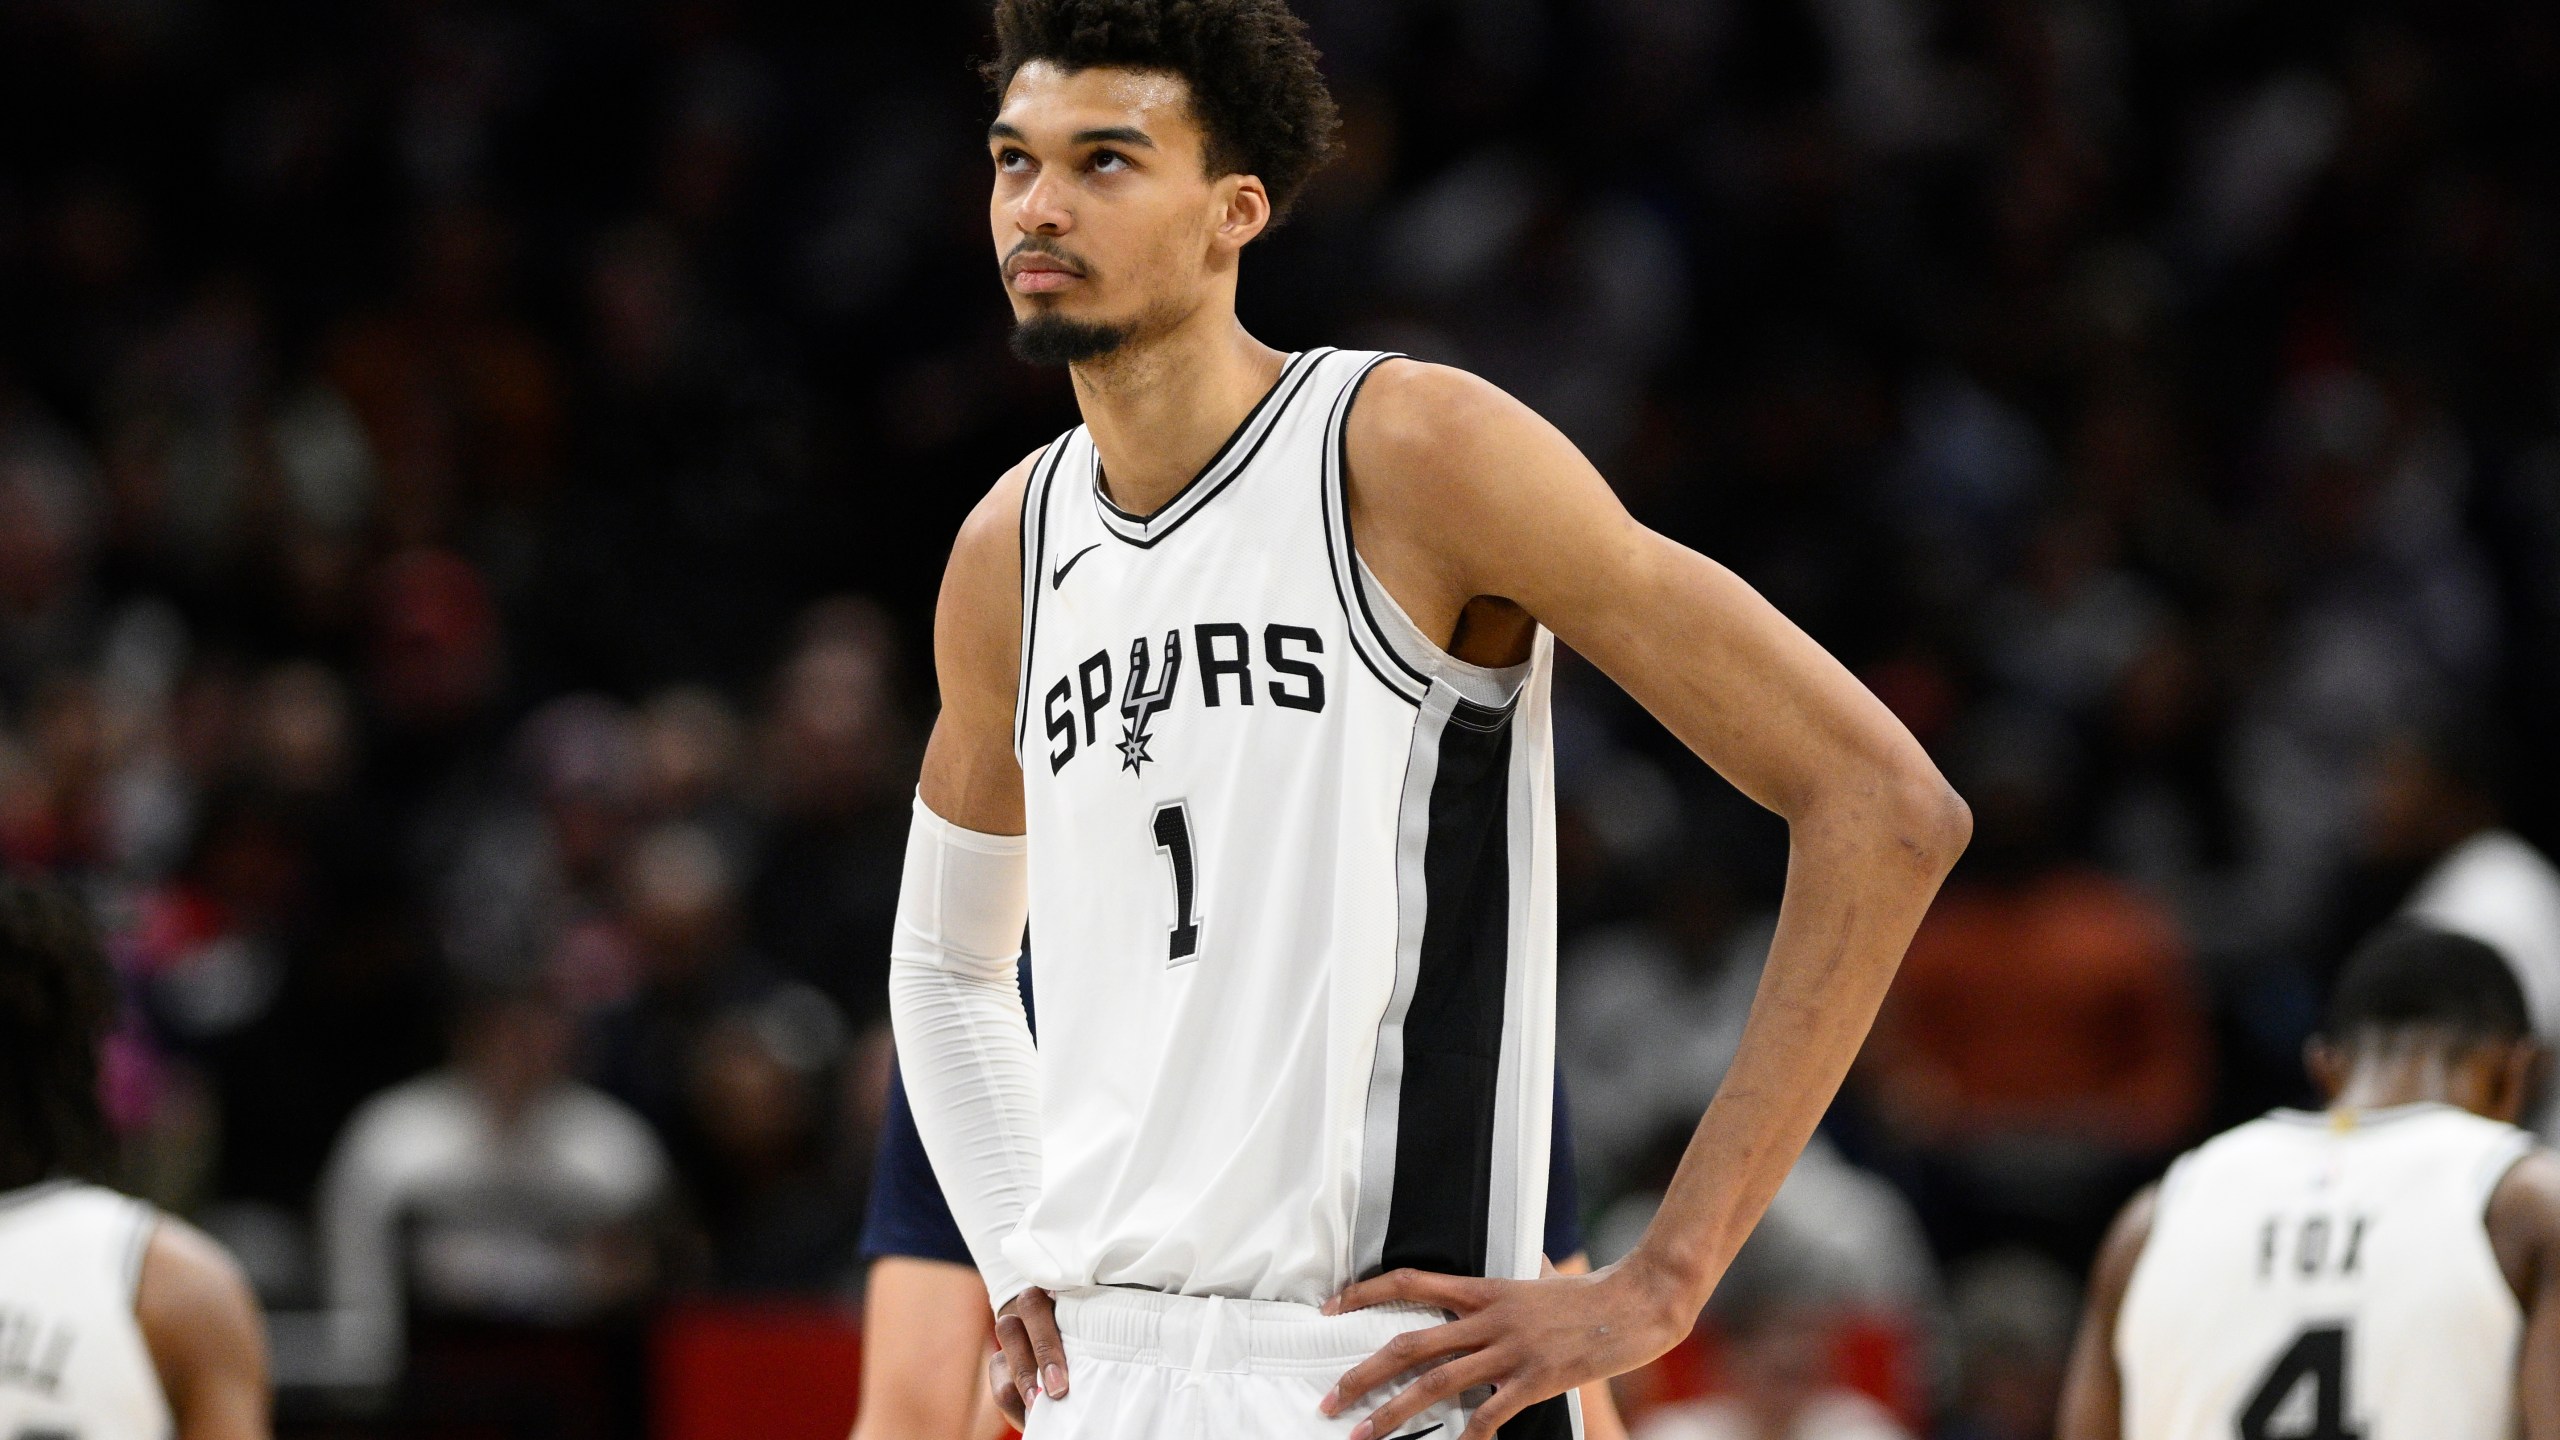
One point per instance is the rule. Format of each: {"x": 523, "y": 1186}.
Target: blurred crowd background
{"x": 473, "y": 480}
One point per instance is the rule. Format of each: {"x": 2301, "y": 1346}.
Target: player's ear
{"x": 2328, "y": 1066}
{"x": 1244, "y": 210}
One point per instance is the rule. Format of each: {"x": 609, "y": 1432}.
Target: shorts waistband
{"x": 1214, "y": 1334}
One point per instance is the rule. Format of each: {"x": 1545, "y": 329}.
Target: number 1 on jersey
{"x": 1173, "y": 837}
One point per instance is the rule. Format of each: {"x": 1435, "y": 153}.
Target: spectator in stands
{"x": 496, "y": 1188}
{"x": 2434, "y": 813}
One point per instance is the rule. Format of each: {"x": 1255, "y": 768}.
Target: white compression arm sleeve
{"x": 964, "y": 1046}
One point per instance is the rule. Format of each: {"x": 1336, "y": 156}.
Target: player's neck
{"x": 1159, "y": 409}
{"x": 2422, "y": 1077}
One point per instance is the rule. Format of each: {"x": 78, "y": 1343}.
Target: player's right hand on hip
{"x": 1032, "y": 1359}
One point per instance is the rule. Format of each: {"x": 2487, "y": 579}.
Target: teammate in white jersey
{"x": 1245, "y": 686}
{"x": 116, "y": 1322}
{"x": 2386, "y": 1270}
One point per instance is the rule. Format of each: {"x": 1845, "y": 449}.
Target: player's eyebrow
{"x": 1108, "y": 135}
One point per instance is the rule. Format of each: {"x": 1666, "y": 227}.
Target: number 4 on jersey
{"x": 2319, "y": 1356}
{"x": 1173, "y": 837}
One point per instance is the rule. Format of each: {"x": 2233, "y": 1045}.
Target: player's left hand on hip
{"x": 1030, "y": 1359}
{"x": 1528, "y": 1339}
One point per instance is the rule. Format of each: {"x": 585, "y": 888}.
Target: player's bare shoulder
{"x": 989, "y": 545}
{"x": 2122, "y": 1248}
{"x": 970, "y": 776}
{"x": 978, "y": 618}
{"x": 2524, "y": 1224}
{"x": 1423, "y": 436}
{"x": 203, "y": 1329}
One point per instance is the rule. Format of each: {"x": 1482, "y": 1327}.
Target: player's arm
{"x": 963, "y": 1043}
{"x": 2093, "y": 1391}
{"x": 1460, "y": 492}
{"x": 2524, "y": 1230}
{"x": 206, "y": 1337}
{"x": 924, "y": 1334}
{"x": 970, "y": 775}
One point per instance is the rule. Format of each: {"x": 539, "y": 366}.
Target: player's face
{"x": 1106, "y": 223}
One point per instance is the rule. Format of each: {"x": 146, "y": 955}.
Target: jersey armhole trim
{"x": 146, "y": 1223}
{"x": 1387, "y": 639}
{"x": 2496, "y": 1166}
{"x": 1367, "y": 640}
{"x": 1033, "y": 546}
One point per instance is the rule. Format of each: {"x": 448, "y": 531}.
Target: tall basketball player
{"x": 2387, "y": 1270}
{"x": 1245, "y": 704}
{"x": 116, "y": 1322}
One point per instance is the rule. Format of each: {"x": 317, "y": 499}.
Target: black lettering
{"x": 57, "y": 1358}
{"x": 2355, "y": 1246}
{"x": 1312, "y": 697}
{"x": 1062, "y": 723}
{"x": 1097, "y": 693}
{"x": 2313, "y": 1247}
{"x": 1238, "y": 663}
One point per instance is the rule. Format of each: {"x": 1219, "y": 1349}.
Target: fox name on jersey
{"x": 1290, "y": 655}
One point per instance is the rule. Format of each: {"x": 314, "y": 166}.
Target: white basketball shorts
{"x": 1148, "y": 1366}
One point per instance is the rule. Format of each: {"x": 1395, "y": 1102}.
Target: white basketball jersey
{"x": 1292, "y": 899}
{"x": 2313, "y": 1277}
{"x": 73, "y": 1365}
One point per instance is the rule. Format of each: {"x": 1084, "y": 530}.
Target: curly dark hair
{"x": 1255, "y": 88}
{"x": 57, "y": 1001}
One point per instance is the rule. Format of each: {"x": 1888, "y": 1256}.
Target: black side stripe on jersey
{"x": 1368, "y": 641}
{"x": 1214, "y": 477}
{"x": 1446, "y": 1187}
{"x": 1034, "y": 545}
{"x": 1438, "y": 1213}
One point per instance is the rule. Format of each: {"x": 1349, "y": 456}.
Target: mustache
{"x": 1050, "y": 249}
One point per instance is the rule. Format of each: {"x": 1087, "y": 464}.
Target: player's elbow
{"x": 1920, "y": 818}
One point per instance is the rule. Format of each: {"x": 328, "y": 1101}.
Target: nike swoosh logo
{"x": 1058, "y": 576}
{"x": 1417, "y": 1434}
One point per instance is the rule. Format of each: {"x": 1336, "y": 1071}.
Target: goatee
{"x": 1057, "y": 340}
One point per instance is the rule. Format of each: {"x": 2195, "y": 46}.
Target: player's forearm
{"x": 964, "y": 1044}
{"x": 1859, "y": 878}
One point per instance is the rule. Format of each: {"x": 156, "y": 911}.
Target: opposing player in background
{"x": 1278, "y": 803}
{"x": 116, "y": 1322}
{"x": 2386, "y": 1270}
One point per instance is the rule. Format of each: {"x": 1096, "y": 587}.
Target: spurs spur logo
{"x": 1140, "y": 702}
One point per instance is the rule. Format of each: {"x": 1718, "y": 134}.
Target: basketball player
{"x": 116, "y": 1322}
{"x": 924, "y": 1310}
{"x": 2388, "y": 1270}
{"x": 1245, "y": 704}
